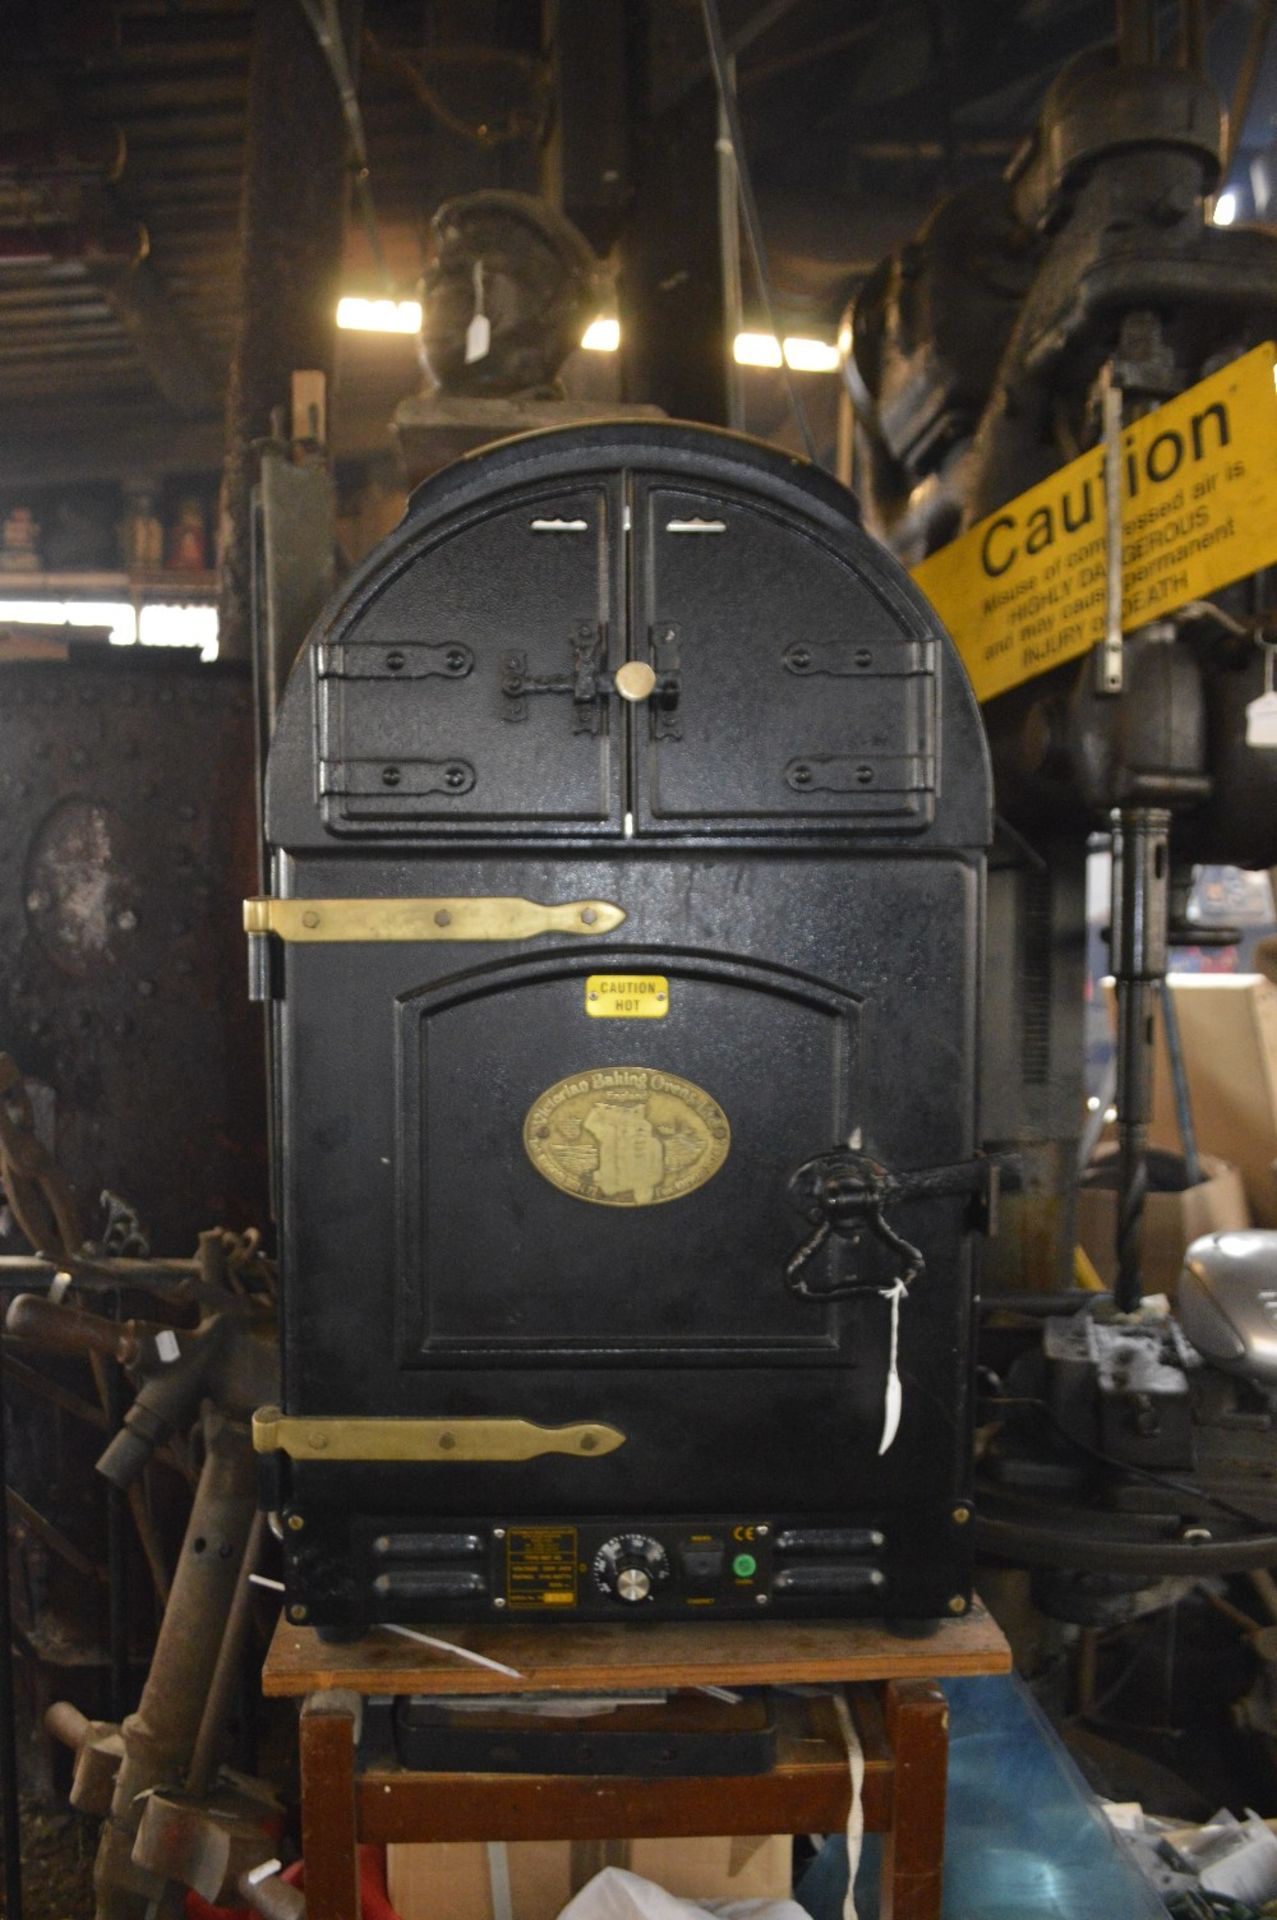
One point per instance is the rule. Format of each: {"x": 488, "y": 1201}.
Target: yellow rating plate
{"x": 1024, "y": 589}
{"x": 627, "y": 996}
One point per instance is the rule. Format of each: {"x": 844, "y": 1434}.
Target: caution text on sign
{"x": 1024, "y": 589}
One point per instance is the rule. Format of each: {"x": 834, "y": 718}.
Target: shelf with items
{"x": 140, "y": 583}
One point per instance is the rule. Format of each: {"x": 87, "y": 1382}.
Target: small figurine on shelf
{"x": 20, "y": 542}
{"x": 142, "y": 536}
{"x": 80, "y": 538}
{"x": 187, "y": 545}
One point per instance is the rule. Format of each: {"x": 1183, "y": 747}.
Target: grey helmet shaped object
{"x": 1228, "y": 1301}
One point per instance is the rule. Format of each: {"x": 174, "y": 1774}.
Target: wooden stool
{"x": 899, "y": 1711}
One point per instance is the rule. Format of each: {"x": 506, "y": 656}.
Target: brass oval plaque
{"x": 626, "y": 1136}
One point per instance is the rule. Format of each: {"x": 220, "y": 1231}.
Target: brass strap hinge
{"x": 334, "y": 1437}
{"x": 497, "y": 918}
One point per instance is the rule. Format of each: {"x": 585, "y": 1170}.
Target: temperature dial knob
{"x": 630, "y": 1568}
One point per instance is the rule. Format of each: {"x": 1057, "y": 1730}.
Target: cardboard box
{"x": 1228, "y": 1024}
{"x": 1171, "y": 1222}
{"x": 458, "y": 1880}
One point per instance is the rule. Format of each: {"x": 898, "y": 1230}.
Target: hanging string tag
{"x": 479, "y": 332}
{"x": 893, "y": 1397}
{"x": 1261, "y": 714}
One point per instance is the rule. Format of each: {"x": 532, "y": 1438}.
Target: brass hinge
{"x": 334, "y": 1437}
{"x": 497, "y": 918}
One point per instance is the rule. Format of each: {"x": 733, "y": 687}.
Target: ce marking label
{"x": 745, "y": 1534}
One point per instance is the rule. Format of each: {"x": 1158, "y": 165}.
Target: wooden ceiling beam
{"x": 172, "y": 356}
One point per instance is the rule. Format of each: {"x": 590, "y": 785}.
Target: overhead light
{"x": 756, "y": 350}
{"x": 811, "y": 356}
{"x": 357, "y": 315}
{"x": 602, "y": 335}
{"x": 803, "y": 355}
{"x": 1225, "y": 210}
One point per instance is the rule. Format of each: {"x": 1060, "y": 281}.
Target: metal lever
{"x": 587, "y": 684}
{"x": 845, "y": 1192}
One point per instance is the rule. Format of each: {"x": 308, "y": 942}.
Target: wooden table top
{"x": 632, "y": 1657}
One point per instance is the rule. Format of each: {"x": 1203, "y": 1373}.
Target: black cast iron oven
{"x": 628, "y": 813}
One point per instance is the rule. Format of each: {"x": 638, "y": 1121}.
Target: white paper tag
{"x": 167, "y": 1346}
{"x": 893, "y": 1399}
{"x": 1261, "y": 721}
{"x": 479, "y": 332}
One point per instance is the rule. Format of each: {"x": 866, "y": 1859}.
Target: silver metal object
{"x": 1110, "y": 664}
{"x": 1227, "y": 1301}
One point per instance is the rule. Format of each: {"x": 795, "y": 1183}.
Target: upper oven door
{"x": 473, "y": 694}
{"x": 793, "y": 689}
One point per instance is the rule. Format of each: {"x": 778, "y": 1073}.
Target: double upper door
{"x": 627, "y": 656}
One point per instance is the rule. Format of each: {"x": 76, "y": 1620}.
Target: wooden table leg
{"x": 913, "y": 1847}
{"x": 329, "y": 1732}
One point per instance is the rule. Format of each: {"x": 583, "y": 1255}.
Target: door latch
{"x": 587, "y": 685}
{"x": 844, "y": 1192}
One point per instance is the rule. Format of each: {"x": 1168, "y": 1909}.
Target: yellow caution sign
{"x": 1024, "y": 590}
{"x": 627, "y": 996}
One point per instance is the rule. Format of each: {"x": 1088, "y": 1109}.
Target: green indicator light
{"x": 744, "y": 1566}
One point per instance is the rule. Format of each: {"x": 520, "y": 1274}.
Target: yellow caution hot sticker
{"x": 1024, "y": 590}
{"x": 627, "y": 996}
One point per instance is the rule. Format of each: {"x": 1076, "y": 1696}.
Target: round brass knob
{"x": 635, "y": 680}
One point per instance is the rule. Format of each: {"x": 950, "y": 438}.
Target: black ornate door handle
{"x": 845, "y": 1192}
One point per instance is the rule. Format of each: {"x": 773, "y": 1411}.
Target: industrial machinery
{"x": 627, "y": 815}
{"x": 1031, "y": 320}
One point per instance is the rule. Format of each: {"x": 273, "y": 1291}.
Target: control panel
{"x": 734, "y": 1564}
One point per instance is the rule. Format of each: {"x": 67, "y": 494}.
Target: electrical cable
{"x": 719, "y": 57}
{"x": 519, "y": 124}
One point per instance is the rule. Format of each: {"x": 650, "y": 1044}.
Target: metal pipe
{"x": 273, "y": 1898}
{"x": 749, "y": 210}
{"x": 729, "y": 255}
{"x": 62, "y": 1329}
{"x": 65, "y": 1723}
{"x": 34, "y": 1270}
{"x": 1138, "y": 920}
{"x": 1136, "y": 33}
{"x": 160, "y": 1736}
{"x": 226, "y": 1672}
{"x": 1179, "y": 1085}
{"x": 117, "y": 1576}
{"x": 1192, "y": 35}
{"x": 1111, "y": 660}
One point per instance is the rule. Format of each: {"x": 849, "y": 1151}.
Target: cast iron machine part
{"x": 1031, "y": 319}
{"x": 627, "y": 813}
{"x": 211, "y": 1375}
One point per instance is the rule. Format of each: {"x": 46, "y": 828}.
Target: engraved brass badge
{"x": 626, "y": 1136}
